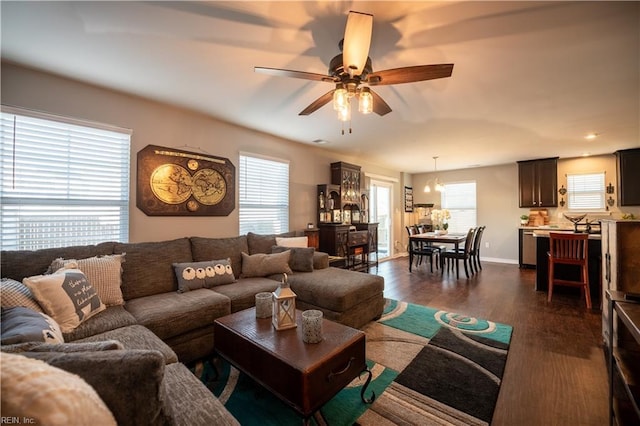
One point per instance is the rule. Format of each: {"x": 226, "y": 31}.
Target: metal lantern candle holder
{"x": 284, "y": 306}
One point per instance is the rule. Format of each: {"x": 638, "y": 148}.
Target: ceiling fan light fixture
{"x": 344, "y": 113}
{"x": 357, "y": 39}
{"x": 340, "y": 97}
{"x": 365, "y": 103}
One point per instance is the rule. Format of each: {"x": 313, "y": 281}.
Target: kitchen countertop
{"x": 549, "y": 227}
{"x": 544, "y": 233}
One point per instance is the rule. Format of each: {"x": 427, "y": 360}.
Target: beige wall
{"x": 160, "y": 124}
{"x": 155, "y": 123}
{"x": 497, "y": 195}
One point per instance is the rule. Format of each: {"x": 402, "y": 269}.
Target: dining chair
{"x": 420, "y": 251}
{"x": 569, "y": 249}
{"x": 463, "y": 254}
{"x": 475, "y": 250}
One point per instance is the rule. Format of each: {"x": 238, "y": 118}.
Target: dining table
{"x": 436, "y": 237}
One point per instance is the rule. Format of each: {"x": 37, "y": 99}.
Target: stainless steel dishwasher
{"x": 528, "y": 248}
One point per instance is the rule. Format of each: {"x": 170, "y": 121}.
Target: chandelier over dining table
{"x": 438, "y": 186}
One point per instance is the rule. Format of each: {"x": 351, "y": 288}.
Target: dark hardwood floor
{"x": 556, "y": 371}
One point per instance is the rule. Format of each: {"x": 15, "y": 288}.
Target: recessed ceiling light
{"x": 320, "y": 141}
{"x": 586, "y": 154}
{"x": 591, "y": 136}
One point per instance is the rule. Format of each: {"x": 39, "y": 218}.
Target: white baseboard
{"x": 482, "y": 259}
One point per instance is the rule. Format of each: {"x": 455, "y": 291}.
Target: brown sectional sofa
{"x": 156, "y": 320}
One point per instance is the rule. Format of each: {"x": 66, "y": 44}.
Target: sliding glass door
{"x": 380, "y": 205}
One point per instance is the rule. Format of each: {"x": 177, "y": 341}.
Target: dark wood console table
{"x": 358, "y": 249}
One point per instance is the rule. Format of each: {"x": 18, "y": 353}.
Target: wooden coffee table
{"x": 304, "y": 375}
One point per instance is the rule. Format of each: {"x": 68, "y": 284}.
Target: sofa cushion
{"x": 292, "y": 241}
{"x": 195, "y": 275}
{"x": 67, "y": 296}
{"x": 103, "y": 272}
{"x": 191, "y": 403}
{"x": 262, "y": 265}
{"x": 220, "y": 248}
{"x": 46, "y": 395}
{"x": 148, "y": 269}
{"x": 21, "y": 324}
{"x": 14, "y": 293}
{"x": 301, "y": 259}
{"x": 170, "y": 314}
{"x": 336, "y": 289}
{"x": 18, "y": 264}
{"x": 243, "y": 293}
{"x": 128, "y": 381}
{"x": 110, "y": 319}
{"x": 320, "y": 260}
{"x": 134, "y": 337}
{"x": 262, "y": 243}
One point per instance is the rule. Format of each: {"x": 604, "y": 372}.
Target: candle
{"x": 264, "y": 305}
{"x": 312, "y": 326}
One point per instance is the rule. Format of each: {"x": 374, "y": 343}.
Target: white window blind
{"x": 585, "y": 191}
{"x": 460, "y": 199}
{"x": 264, "y": 195}
{"x": 63, "y": 183}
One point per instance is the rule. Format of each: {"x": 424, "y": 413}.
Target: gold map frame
{"x": 173, "y": 182}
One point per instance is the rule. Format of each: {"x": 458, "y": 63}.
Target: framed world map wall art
{"x": 173, "y": 182}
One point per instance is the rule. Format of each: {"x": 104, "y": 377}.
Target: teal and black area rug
{"x": 429, "y": 367}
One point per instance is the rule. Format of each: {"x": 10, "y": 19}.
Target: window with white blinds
{"x": 64, "y": 182}
{"x": 264, "y": 195}
{"x": 585, "y": 191}
{"x": 460, "y": 199}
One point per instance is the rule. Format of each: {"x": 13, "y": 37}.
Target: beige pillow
{"x": 13, "y": 293}
{"x": 292, "y": 241}
{"x": 103, "y": 272}
{"x": 67, "y": 296}
{"x": 46, "y": 395}
{"x": 261, "y": 265}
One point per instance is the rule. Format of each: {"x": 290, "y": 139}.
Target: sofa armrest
{"x": 128, "y": 381}
{"x": 320, "y": 260}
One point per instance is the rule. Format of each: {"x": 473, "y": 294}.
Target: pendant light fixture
{"x": 438, "y": 186}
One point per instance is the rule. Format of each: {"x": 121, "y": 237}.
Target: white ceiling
{"x": 530, "y": 80}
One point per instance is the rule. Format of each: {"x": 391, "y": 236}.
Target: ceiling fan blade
{"x": 357, "y": 39}
{"x": 318, "y": 103}
{"x": 409, "y": 74}
{"x": 380, "y": 107}
{"x": 295, "y": 74}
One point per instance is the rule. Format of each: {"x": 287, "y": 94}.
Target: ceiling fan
{"x": 352, "y": 73}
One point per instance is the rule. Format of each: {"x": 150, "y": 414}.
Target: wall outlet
{"x": 486, "y": 245}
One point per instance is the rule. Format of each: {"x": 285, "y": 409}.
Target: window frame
{"x": 65, "y": 213}
{"x": 600, "y": 191}
{"x": 456, "y": 211}
{"x": 265, "y": 197}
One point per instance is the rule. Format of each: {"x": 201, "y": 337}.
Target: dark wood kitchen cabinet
{"x": 538, "y": 182}
{"x": 628, "y": 171}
